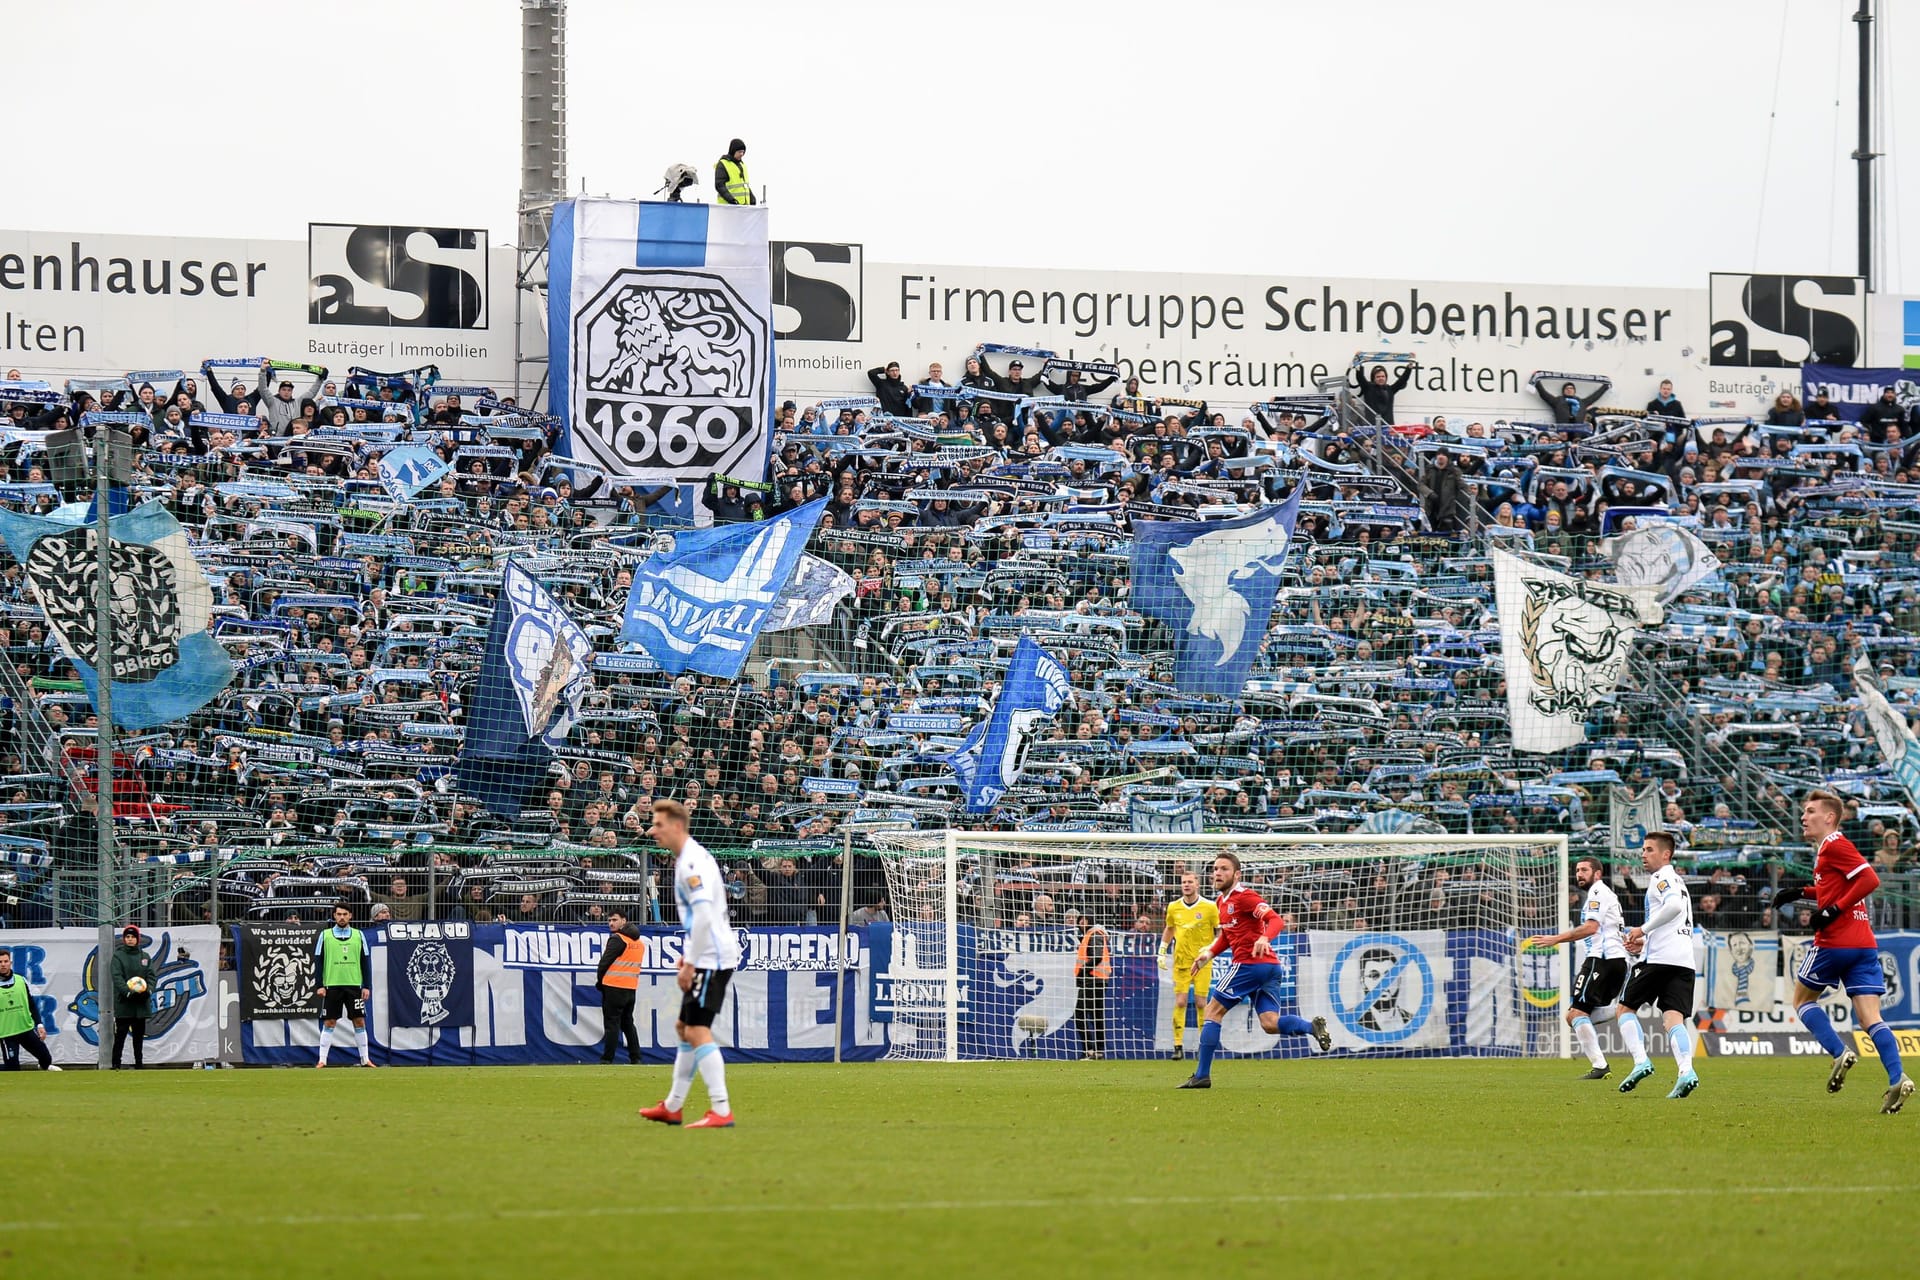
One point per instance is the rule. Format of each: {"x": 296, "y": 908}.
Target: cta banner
{"x": 430, "y": 973}
{"x": 527, "y": 995}
{"x": 1852, "y": 390}
{"x": 59, "y": 967}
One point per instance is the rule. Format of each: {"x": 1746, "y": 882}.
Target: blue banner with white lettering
{"x": 1213, "y": 583}
{"x": 701, "y": 604}
{"x": 430, "y": 973}
{"x": 1852, "y": 390}
{"x": 533, "y": 999}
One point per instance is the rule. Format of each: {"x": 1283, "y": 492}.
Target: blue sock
{"x": 1209, "y": 1045}
{"x": 1815, "y": 1019}
{"x": 1294, "y": 1025}
{"x": 1888, "y": 1048}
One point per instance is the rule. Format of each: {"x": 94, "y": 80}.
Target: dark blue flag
{"x": 989, "y": 761}
{"x": 430, "y": 974}
{"x": 1213, "y": 583}
{"x": 538, "y": 664}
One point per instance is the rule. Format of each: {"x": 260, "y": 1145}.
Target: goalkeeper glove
{"x": 1786, "y": 896}
{"x": 1165, "y": 957}
{"x": 1823, "y": 917}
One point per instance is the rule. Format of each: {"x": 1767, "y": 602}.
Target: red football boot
{"x": 713, "y": 1120}
{"x": 659, "y": 1113}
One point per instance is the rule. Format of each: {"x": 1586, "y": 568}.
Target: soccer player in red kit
{"x": 1247, "y": 929}
{"x": 1844, "y": 952}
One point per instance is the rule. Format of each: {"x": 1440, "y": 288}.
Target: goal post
{"x": 1409, "y": 946}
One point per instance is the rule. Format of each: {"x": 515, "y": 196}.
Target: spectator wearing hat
{"x": 894, "y": 394}
{"x": 1013, "y": 382}
{"x": 730, "y": 175}
{"x": 131, "y": 1008}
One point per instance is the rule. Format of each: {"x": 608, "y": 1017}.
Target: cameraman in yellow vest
{"x": 730, "y": 175}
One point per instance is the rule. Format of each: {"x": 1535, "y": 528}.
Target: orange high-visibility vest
{"x": 625, "y": 972}
{"x": 1103, "y": 969}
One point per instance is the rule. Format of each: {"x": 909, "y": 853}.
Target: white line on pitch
{"x": 1276, "y": 1200}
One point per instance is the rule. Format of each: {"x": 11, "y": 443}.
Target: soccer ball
{"x": 137, "y": 985}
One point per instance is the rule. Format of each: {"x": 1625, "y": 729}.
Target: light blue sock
{"x": 1888, "y": 1047}
{"x": 1294, "y": 1025}
{"x": 1680, "y": 1040}
{"x": 1209, "y": 1045}
{"x": 1815, "y": 1019}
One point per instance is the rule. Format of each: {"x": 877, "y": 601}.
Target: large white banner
{"x": 58, "y": 965}
{"x": 659, "y": 337}
{"x": 384, "y": 297}
{"x": 83, "y": 304}
{"x": 1379, "y": 990}
{"x": 1236, "y": 340}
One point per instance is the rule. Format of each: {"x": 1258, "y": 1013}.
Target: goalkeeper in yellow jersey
{"x": 1191, "y": 923}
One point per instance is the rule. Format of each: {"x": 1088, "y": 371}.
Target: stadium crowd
{"x": 967, "y": 513}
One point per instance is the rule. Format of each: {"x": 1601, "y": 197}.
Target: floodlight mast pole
{"x": 1863, "y": 154}
{"x": 103, "y": 736}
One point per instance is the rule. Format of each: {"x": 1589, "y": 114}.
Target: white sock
{"x": 1607, "y": 1014}
{"x": 682, "y": 1076}
{"x": 1589, "y": 1042}
{"x": 713, "y": 1073}
{"x": 326, "y": 1042}
{"x": 1680, "y": 1040}
{"x": 360, "y": 1038}
{"x": 1636, "y": 1043}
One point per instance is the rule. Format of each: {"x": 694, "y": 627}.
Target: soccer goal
{"x": 1408, "y": 946}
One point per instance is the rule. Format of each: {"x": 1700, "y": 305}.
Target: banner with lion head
{"x": 1565, "y": 643}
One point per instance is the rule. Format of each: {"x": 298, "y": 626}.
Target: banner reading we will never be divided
{"x": 660, "y": 337}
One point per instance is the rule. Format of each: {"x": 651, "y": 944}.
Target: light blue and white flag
{"x": 660, "y": 337}
{"x": 700, "y": 604}
{"x": 165, "y": 666}
{"x": 1213, "y": 582}
{"x": 405, "y": 471}
{"x": 989, "y": 760}
{"x": 537, "y": 666}
{"x": 1890, "y": 731}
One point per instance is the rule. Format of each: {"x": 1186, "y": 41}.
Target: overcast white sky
{"x": 1604, "y": 142}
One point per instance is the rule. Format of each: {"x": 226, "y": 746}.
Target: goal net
{"x": 1408, "y": 946}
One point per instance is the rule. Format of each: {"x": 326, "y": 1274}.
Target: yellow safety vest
{"x": 738, "y": 192}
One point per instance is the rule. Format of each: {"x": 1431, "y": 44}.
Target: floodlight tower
{"x": 543, "y": 179}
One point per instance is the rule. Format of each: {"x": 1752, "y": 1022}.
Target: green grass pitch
{"x": 1401, "y": 1169}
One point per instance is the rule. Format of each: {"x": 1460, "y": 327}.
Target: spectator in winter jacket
{"x": 1569, "y": 406}
{"x": 130, "y": 1008}
{"x": 1665, "y": 404}
{"x": 1881, "y": 414}
{"x": 1378, "y": 393}
{"x": 894, "y": 394}
{"x": 1442, "y": 485}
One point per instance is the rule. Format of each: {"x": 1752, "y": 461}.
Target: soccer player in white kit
{"x": 1604, "y": 972}
{"x": 707, "y": 961}
{"x": 1665, "y": 973}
